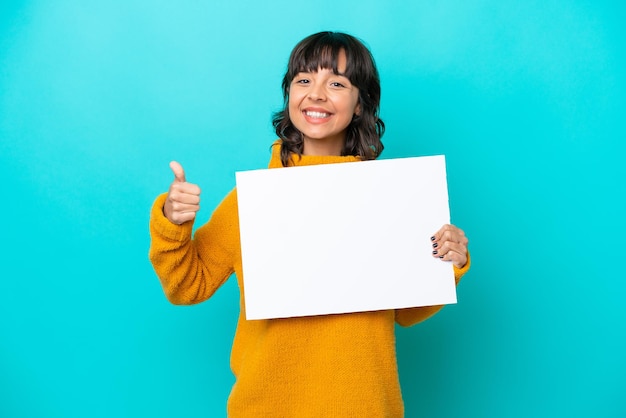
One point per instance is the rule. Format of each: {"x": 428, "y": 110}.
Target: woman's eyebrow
{"x": 305, "y": 71}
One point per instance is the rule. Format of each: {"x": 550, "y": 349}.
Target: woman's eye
{"x": 337, "y": 84}
{"x": 302, "y": 81}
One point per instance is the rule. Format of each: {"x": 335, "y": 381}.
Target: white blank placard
{"x": 340, "y": 238}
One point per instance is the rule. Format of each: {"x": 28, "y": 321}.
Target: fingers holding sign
{"x": 450, "y": 244}
{"x": 183, "y": 199}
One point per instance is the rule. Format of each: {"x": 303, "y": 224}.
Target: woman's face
{"x": 321, "y": 106}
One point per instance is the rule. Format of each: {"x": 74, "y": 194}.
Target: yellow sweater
{"x": 319, "y": 366}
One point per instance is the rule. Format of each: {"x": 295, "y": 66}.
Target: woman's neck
{"x": 324, "y": 147}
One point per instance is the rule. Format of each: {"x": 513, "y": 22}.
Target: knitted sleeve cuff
{"x": 162, "y": 226}
{"x": 459, "y": 272}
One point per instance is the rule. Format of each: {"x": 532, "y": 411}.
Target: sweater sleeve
{"x": 411, "y": 316}
{"x": 192, "y": 269}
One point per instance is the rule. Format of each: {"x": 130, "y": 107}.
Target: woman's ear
{"x": 357, "y": 109}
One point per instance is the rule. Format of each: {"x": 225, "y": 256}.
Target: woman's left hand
{"x": 450, "y": 244}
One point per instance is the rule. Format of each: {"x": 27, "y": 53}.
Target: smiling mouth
{"x": 316, "y": 115}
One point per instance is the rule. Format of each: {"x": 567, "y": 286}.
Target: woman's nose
{"x": 317, "y": 93}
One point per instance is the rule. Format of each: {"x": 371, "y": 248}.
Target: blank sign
{"x": 340, "y": 238}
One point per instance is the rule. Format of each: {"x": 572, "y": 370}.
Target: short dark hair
{"x": 321, "y": 51}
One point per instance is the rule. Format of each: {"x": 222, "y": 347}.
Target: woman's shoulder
{"x": 275, "y": 160}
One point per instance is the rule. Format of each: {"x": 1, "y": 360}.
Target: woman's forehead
{"x": 326, "y": 58}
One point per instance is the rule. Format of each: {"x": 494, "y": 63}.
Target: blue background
{"x": 526, "y": 99}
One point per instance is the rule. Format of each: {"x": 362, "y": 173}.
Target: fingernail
{"x": 432, "y": 238}
{"x": 440, "y": 256}
{"x": 435, "y": 252}
{"x": 435, "y": 245}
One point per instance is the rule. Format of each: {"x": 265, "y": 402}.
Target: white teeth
{"x": 317, "y": 114}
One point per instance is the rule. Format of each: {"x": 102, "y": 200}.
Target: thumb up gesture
{"x": 183, "y": 199}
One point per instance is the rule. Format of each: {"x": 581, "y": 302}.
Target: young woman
{"x": 318, "y": 366}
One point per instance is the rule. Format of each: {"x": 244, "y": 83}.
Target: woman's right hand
{"x": 183, "y": 199}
